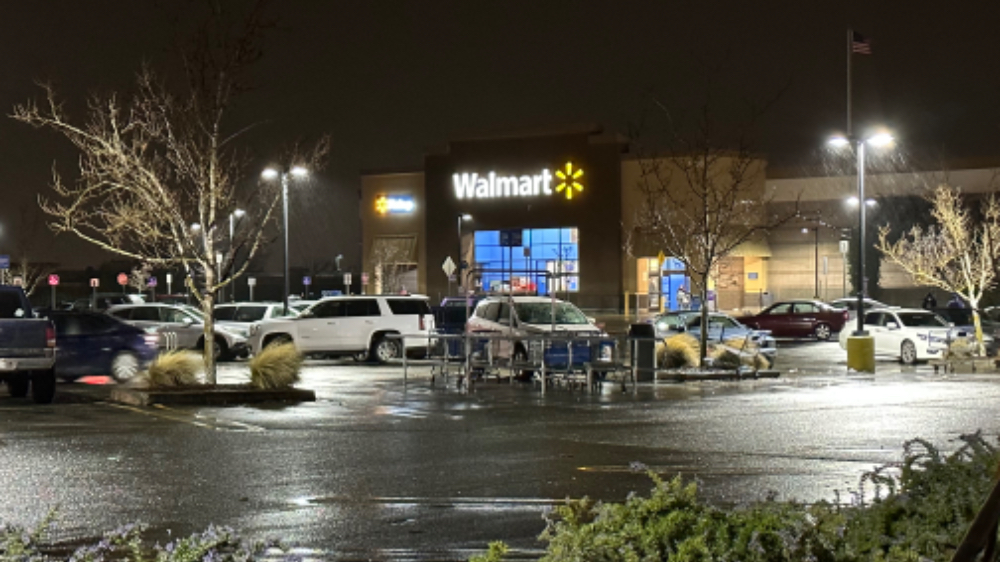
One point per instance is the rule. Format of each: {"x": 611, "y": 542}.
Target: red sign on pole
{"x": 122, "y": 279}
{"x": 95, "y": 282}
{"x": 53, "y": 279}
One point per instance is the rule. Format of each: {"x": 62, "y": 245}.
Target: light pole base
{"x": 861, "y": 353}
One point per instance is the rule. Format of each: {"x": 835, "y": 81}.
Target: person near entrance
{"x": 683, "y": 298}
{"x": 930, "y": 302}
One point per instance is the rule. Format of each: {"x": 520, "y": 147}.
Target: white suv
{"x": 353, "y": 325}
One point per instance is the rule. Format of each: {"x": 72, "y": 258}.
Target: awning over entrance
{"x": 395, "y": 249}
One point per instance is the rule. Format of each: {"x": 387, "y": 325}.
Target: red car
{"x": 799, "y": 319}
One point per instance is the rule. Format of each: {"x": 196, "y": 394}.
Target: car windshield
{"x": 541, "y": 313}
{"x": 922, "y": 320}
{"x": 675, "y": 321}
{"x": 199, "y": 316}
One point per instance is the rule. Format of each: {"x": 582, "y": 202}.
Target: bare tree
{"x": 29, "y": 247}
{"x": 701, "y": 198}
{"x": 389, "y": 265}
{"x": 957, "y": 254}
{"x": 139, "y": 278}
{"x": 160, "y": 170}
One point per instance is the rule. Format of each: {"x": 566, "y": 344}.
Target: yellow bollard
{"x": 861, "y": 353}
{"x": 626, "y": 304}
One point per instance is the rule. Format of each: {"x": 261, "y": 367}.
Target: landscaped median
{"x": 173, "y": 379}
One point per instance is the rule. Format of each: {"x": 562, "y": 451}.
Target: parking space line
{"x": 163, "y": 412}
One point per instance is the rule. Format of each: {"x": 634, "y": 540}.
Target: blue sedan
{"x": 721, "y": 327}
{"x": 89, "y": 343}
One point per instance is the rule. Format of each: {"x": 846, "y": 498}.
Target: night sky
{"x": 390, "y": 81}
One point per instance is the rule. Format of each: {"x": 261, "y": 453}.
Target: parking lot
{"x": 381, "y": 469}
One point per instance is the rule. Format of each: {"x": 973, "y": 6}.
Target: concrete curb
{"x": 681, "y": 376}
{"x": 218, "y": 395}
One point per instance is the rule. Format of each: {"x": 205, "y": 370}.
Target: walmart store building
{"x": 542, "y": 210}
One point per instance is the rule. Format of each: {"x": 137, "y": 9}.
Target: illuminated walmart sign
{"x": 494, "y": 186}
{"x": 395, "y": 204}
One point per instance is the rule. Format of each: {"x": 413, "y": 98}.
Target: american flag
{"x": 860, "y": 44}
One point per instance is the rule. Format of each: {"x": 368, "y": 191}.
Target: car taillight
{"x": 422, "y": 326}
{"x": 50, "y": 336}
{"x": 847, "y": 316}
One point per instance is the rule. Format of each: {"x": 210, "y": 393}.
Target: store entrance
{"x": 663, "y": 284}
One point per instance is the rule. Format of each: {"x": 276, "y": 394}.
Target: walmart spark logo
{"x": 569, "y": 182}
{"x": 385, "y": 204}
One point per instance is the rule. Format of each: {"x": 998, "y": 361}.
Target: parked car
{"x": 104, "y": 301}
{"x": 181, "y": 327}
{"x": 721, "y": 327}
{"x": 526, "y": 316}
{"x": 27, "y": 348}
{"x": 89, "y": 343}
{"x": 909, "y": 334}
{"x": 239, "y": 316}
{"x": 299, "y": 305}
{"x": 799, "y": 319}
{"x": 851, "y": 305}
{"x": 962, "y": 318}
{"x": 353, "y": 325}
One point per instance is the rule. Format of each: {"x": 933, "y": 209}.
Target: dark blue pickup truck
{"x": 27, "y": 348}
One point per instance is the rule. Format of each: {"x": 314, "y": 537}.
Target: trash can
{"x": 642, "y": 342}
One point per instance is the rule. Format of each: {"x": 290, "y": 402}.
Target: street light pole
{"x": 816, "y": 262}
{"x": 284, "y": 228}
{"x": 270, "y": 174}
{"x": 862, "y": 204}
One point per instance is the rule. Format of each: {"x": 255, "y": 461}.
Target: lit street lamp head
{"x": 269, "y": 174}
{"x": 838, "y": 142}
{"x": 239, "y": 213}
{"x": 299, "y": 172}
{"x": 466, "y": 217}
{"x": 195, "y": 227}
{"x": 880, "y": 140}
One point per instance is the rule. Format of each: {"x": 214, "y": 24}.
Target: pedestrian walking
{"x": 683, "y": 298}
{"x": 930, "y": 302}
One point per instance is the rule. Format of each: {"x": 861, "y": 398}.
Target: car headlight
{"x": 662, "y": 326}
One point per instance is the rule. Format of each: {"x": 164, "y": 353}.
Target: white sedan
{"x": 909, "y": 334}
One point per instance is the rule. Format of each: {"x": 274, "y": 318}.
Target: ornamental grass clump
{"x": 724, "y": 357}
{"x": 276, "y": 366}
{"x": 175, "y": 368}
{"x": 678, "y": 352}
{"x": 961, "y": 348}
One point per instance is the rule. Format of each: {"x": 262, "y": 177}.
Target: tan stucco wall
{"x": 373, "y": 224}
{"x": 632, "y": 199}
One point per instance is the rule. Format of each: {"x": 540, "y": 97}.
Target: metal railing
{"x": 553, "y": 358}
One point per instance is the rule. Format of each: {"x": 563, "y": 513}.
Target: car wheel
{"x": 43, "y": 386}
{"x": 18, "y": 387}
{"x": 218, "y": 349}
{"x": 384, "y": 350}
{"x": 222, "y": 350}
{"x": 521, "y": 356}
{"x": 823, "y": 332}
{"x": 908, "y": 353}
{"x": 124, "y": 366}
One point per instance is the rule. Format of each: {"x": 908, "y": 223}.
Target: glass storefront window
{"x": 556, "y": 250}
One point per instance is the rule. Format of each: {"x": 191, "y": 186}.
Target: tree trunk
{"x": 980, "y": 347}
{"x": 207, "y": 308}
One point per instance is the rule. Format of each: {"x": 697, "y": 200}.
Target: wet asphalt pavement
{"x": 379, "y": 469}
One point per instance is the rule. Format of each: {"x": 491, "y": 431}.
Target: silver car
{"x": 240, "y": 316}
{"x": 181, "y": 327}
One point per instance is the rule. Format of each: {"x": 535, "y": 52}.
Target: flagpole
{"x": 850, "y": 38}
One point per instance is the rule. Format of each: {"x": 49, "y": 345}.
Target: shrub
{"x": 175, "y": 368}
{"x": 126, "y": 544}
{"x": 961, "y": 348}
{"x": 916, "y": 510}
{"x": 276, "y": 366}
{"x": 725, "y": 357}
{"x": 677, "y": 352}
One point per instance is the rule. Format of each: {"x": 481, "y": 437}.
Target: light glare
{"x": 466, "y": 217}
{"x": 239, "y": 213}
{"x": 880, "y": 140}
{"x": 299, "y": 172}
{"x": 852, "y": 200}
{"x": 838, "y": 142}
{"x": 269, "y": 173}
